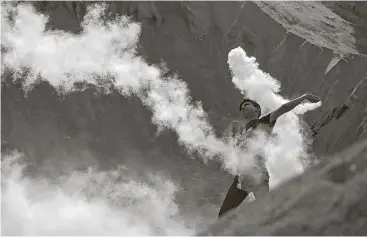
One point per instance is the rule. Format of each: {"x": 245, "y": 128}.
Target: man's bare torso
{"x": 237, "y": 134}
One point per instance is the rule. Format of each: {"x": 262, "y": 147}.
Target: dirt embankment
{"x": 329, "y": 199}
{"x": 193, "y": 38}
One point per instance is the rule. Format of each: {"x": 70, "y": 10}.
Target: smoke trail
{"x": 87, "y": 203}
{"x": 283, "y": 153}
{"x": 106, "y": 50}
{"x": 103, "y": 53}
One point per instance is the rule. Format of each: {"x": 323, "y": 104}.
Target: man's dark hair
{"x": 253, "y": 103}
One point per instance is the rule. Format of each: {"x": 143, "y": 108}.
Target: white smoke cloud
{"x": 87, "y": 203}
{"x": 283, "y": 153}
{"x": 107, "y": 51}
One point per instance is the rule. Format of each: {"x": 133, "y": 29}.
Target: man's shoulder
{"x": 265, "y": 119}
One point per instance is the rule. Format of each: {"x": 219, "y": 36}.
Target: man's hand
{"x": 312, "y": 98}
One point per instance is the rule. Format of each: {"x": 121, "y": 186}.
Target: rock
{"x": 329, "y": 199}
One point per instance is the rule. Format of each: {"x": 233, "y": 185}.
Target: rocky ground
{"x": 329, "y": 199}
{"x": 308, "y": 46}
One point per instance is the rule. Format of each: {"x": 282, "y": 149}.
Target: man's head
{"x": 250, "y": 109}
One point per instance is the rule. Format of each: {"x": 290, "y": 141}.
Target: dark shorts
{"x": 233, "y": 198}
{"x": 235, "y": 195}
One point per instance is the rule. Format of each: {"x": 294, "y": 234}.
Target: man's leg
{"x": 263, "y": 187}
{"x": 261, "y": 191}
{"x": 233, "y": 198}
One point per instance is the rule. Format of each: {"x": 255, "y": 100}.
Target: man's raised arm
{"x": 285, "y": 108}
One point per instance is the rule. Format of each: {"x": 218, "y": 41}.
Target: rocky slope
{"x": 329, "y": 199}
{"x": 324, "y": 55}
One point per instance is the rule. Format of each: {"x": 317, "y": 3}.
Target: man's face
{"x": 249, "y": 111}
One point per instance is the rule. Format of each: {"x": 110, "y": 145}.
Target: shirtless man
{"x": 251, "y": 111}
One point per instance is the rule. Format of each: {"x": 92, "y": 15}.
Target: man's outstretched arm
{"x": 285, "y": 108}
